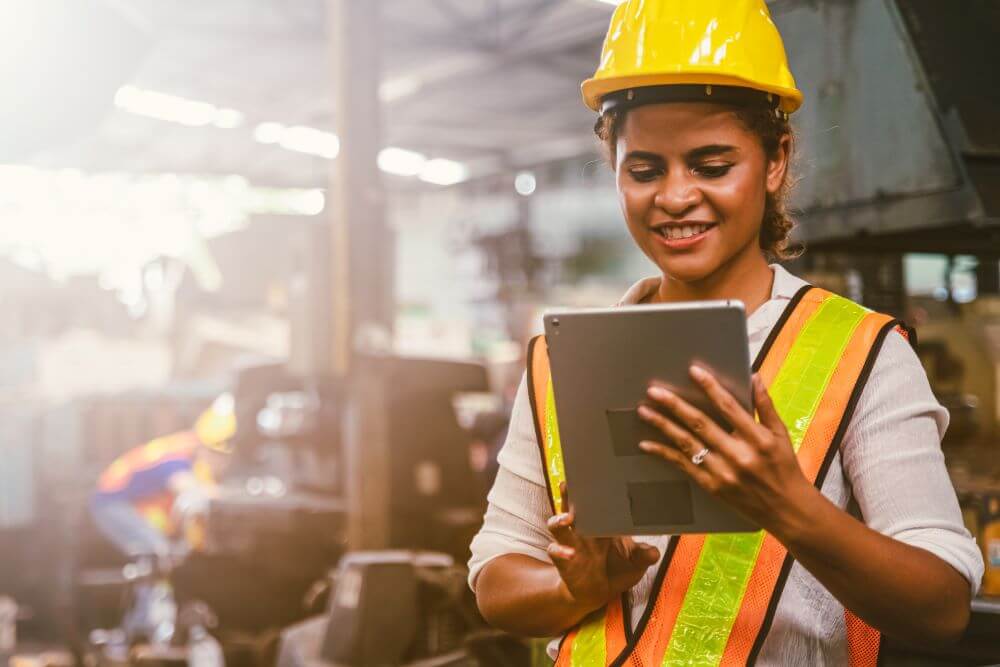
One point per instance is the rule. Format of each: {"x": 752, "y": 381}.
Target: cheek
{"x": 739, "y": 199}
{"x": 635, "y": 202}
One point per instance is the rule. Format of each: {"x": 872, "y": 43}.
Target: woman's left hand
{"x": 754, "y": 468}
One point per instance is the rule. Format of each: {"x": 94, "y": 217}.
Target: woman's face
{"x": 691, "y": 182}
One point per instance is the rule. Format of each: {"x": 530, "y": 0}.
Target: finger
{"x": 560, "y": 552}
{"x": 564, "y": 496}
{"x": 700, "y": 474}
{"x": 561, "y": 527}
{"x": 683, "y": 440}
{"x": 741, "y": 419}
{"x": 696, "y": 421}
{"x": 768, "y": 414}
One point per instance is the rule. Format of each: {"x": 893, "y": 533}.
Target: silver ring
{"x": 699, "y": 456}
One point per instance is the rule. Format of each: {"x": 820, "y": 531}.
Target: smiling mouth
{"x": 679, "y": 232}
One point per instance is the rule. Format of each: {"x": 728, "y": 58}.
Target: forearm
{"x": 526, "y": 597}
{"x": 904, "y": 591}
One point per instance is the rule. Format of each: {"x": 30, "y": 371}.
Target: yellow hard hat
{"x": 216, "y": 426}
{"x": 715, "y": 50}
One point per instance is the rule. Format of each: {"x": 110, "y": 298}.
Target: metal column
{"x": 361, "y": 272}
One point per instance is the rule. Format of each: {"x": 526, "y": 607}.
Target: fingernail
{"x": 659, "y": 392}
{"x": 645, "y": 445}
{"x": 698, "y": 373}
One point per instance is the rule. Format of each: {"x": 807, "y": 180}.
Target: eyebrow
{"x": 699, "y": 153}
{"x": 710, "y": 151}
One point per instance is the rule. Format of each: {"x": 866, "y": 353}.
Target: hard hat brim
{"x": 594, "y": 89}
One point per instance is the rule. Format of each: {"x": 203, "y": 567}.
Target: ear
{"x": 777, "y": 166}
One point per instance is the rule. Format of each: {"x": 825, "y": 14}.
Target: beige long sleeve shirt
{"x": 890, "y": 463}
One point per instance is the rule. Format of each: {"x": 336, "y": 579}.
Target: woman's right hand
{"x": 595, "y": 570}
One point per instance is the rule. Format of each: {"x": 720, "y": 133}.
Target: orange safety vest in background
{"x": 815, "y": 364}
{"x": 166, "y": 455}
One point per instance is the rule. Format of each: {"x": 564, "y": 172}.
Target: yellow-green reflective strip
{"x": 716, "y": 590}
{"x": 802, "y": 379}
{"x": 553, "y": 447}
{"x": 589, "y": 646}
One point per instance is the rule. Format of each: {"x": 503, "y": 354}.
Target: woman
{"x": 864, "y": 537}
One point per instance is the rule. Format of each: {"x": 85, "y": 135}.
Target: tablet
{"x": 602, "y": 361}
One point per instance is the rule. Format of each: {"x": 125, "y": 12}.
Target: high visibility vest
{"x": 155, "y": 507}
{"x": 815, "y": 364}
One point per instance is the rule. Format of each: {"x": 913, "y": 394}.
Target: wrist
{"x": 577, "y": 606}
{"x": 801, "y": 516}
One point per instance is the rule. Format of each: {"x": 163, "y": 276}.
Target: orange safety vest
{"x": 815, "y": 364}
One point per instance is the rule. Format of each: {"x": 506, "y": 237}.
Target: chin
{"x": 690, "y": 268}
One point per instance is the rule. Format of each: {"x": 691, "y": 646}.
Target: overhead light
{"x": 174, "y": 109}
{"x": 391, "y": 160}
{"x": 311, "y": 141}
{"x": 228, "y": 119}
{"x": 391, "y": 90}
{"x": 401, "y": 162}
{"x": 268, "y": 133}
{"x": 444, "y": 172}
{"x": 298, "y": 138}
{"x": 525, "y": 183}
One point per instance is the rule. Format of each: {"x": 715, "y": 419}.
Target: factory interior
{"x": 333, "y": 226}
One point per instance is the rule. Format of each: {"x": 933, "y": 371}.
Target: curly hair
{"x": 770, "y": 127}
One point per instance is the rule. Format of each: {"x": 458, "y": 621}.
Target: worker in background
{"x": 841, "y": 466}
{"x": 148, "y": 500}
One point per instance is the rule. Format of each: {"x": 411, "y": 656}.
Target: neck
{"x": 746, "y": 277}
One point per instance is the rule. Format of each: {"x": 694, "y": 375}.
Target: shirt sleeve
{"x": 892, "y": 457}
{"x": 518, "y": 504}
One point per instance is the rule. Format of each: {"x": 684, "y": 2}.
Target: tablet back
{"x": 602, "y": 363}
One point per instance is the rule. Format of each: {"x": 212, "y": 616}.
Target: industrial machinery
{"x": 399, "y": 608}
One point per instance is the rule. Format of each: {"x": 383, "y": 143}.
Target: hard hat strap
{"x": 728, "y": 95}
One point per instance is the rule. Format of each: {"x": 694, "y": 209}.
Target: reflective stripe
{"x": 589, "y": 645}
{"x": 713, "y": 598}
{"x": 715, "y": 594}
{"x": 553, "y": 448}
{"x": 806, "y": 372}
{"x": 814, "y": 455}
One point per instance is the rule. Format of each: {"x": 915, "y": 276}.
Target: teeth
{"x": 683, "y": 232}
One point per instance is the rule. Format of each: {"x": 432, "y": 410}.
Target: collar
{"x": 783, "y": 288}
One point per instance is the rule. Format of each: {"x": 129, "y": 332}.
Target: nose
{"x": 678, "y": 194}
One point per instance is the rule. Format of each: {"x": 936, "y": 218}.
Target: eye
{"x": 713, "y": 170}
{"x": 644, "y": 175}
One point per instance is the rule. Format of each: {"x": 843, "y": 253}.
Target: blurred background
{"x": 348, "y": 216}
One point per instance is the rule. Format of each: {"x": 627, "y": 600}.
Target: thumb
{"x": 643, "y": 555}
